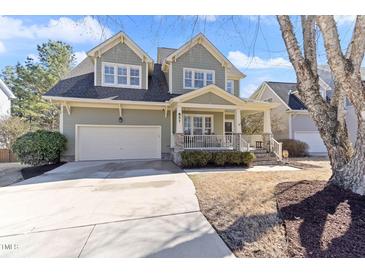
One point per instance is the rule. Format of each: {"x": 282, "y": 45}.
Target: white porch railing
{"x": 210, "y": 141}
{"x": 277, "y": 148}
{"x": 244, "y": 145}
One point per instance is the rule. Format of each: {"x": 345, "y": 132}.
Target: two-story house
{"x": 119, "y": 104}
{"x": 293, "y": 116}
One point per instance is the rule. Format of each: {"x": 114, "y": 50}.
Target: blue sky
{"x": 252, "y": 43}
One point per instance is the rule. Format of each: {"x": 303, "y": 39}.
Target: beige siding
{"x": 279, "y": 116}
{"x": 197, "y": 57}
{"x": 106, "y": 116}
{"x": 120, "y": 54}
{"x": 209, "y": 98}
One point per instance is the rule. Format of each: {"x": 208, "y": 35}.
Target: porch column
{"x": 237, "y": 121}
{"x": 266, "y": 136}
{"x": 179, "y": 136}
{"x": 179, "y": 120}
{"x": 237, "y": 130}
{"x": 267, "y": 122}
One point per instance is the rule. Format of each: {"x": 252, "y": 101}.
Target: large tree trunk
{"x": 348, "y": 164}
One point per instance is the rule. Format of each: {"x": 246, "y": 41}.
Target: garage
{"x": 109, "y": 142}
{"x": 313, "y": 139}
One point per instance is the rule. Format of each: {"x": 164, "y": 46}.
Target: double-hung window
{"x": 198, "y": 124}
{"x": 121, "y": 75}
{"x": 109, "y": 74}
{"x": 230, "y": 86}
{"x": 195, "y": 78}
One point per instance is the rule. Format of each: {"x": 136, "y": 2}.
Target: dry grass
{"x": 242, "y": 207}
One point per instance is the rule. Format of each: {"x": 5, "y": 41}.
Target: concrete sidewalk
{"x": 107, "y": 209}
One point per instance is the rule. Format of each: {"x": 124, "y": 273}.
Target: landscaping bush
{"x": 295, "y": 148}
{"x": 40, "y": 147}
{"x": 195, "y": 158}
{"x": 248, "y": 158}
{"x": 234, "y": 158}
{"x": 217, "y": 158}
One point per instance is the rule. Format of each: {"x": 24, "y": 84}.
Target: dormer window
{"x": 121, "y": 75}
{"x": 197, "y": 78}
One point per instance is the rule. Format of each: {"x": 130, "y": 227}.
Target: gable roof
{"x": 204, "y": 41}
{"x": 120, "y": 37}
{"x": 82, "y": 86}
{"x": 210, "y": 88}
{"x": 4, "y": 88}
{"x": 284, "y": 91}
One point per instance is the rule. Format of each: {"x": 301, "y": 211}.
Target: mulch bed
{"x": 33, "y": 171}
{"x": 322, "y": 220}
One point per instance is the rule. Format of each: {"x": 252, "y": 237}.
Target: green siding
{"x": 120, "y": 54}
{"x": 209, "y": 98}
{"x": 109, "y": 116}
{"x": 198, "y": 57}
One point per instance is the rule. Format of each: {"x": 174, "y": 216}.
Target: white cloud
{"x": 34, "y": 57}
{"x": 2, "y": 47}
{"x": 79, "y": 56}
{"x": 86, "y": 29}
{"x": 208, "y": 18}
{"x": 241, "y": 60}
{"x": 345, "y": 19}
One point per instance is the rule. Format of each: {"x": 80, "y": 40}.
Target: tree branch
{"x": 309, "y": 40}
{"x": 291, "y": 42}
{"x": 356, "y": 48}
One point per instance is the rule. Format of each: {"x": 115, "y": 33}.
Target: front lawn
{"x": 242, "y": 207}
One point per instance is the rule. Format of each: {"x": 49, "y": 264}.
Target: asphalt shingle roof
{"x": 83, "y": 87}
{"x": 284, "y": 91}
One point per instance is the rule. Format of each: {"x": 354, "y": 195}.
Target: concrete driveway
{"x": 106, "y": 209}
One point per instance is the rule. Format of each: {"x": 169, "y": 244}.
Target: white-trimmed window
{"x": 198, "y": 78}
{"x": 195, "y": 124}
{"x": 230, "y": 86}
{"x": 121, "y": 75}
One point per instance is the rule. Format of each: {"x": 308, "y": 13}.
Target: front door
{"x": 228, "y": 127}
{"x": 228, "y": 131}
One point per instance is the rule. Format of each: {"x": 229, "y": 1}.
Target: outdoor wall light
{"x": 120, "y": 119}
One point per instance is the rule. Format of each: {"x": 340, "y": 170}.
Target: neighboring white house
{"x": 5, "y": 100}
{"x": 292, "y": 113}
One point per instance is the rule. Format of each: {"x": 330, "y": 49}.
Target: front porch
{"x": 210, "y": 119}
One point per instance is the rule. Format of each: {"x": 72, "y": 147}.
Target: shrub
{"x": 248, "y": 158}
{"x": 219, "y": 158}
{"x": 40, "y": 147}
{"x": 234, "y": 158}
{"x": 195, "y": 158}
{"x": 295, "y": 148}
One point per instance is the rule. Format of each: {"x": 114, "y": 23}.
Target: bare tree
{"x": 348, "y": 162}
{"x": 254, "y": 123}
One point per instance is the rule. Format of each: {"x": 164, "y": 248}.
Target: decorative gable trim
{"x": 123, "y": 38}
{"x": 211, "y": 88}
{"x": 202, "y": 40}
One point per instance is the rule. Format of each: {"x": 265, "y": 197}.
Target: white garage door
{"x": 101, "y": 142}
{"x": 313, "y": 140}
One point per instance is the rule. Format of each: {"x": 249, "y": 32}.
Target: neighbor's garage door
{"x": 101, "y": 142}
{"x": 313, "y": 140}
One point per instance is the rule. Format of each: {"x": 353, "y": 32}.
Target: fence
{"x": 7, "y": 156}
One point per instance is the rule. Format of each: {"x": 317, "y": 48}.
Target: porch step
{"x": 264, "y": 158}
